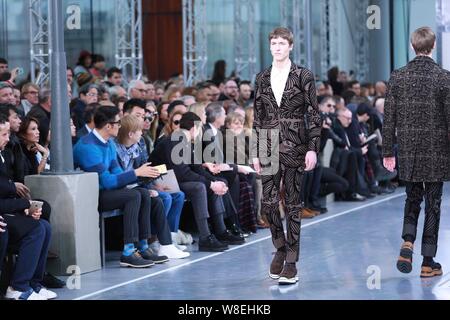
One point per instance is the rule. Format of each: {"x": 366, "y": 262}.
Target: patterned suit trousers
{"x": 292, "y": 180}
{"x": 416, "y": 191}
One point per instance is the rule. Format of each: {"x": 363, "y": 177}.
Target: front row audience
{"x": 119, "y": 189}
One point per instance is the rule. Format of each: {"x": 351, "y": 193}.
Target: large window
{"x": 96, "y": 34}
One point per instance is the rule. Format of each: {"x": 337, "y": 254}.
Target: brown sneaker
{"x": 277, "y": 265}
{"x": 404, "y": 262}
{"x": 288, "y": 275}
{"x": 433, "y": 270}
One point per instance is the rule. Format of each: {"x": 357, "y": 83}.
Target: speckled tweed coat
{"x": 417, "y": 117}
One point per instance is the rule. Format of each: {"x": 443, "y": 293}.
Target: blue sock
{"x": 128, "y": 249}
{"x": 143, "y": 245}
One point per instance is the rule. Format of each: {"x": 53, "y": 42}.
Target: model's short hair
{"x": 423, "y": 40}
{"x": 283, "y": 33}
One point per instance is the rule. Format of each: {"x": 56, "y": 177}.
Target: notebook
{"x": 169, "y": 182}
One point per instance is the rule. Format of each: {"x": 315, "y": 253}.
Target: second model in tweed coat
{"x": 417, "y": 117}
{"x": 297, "y": 118}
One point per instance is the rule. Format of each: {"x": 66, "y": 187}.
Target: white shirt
{"x": 88, "y": 129}
{"x": 99, "y": 136}
{"x": 278, "y": 79}
{"x": 214, "y": 130}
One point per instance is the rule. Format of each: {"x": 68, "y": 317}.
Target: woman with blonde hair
{"x": 238, "y": 152}
{"x": 199, "y": 109}
{"x": 249, "y": 117}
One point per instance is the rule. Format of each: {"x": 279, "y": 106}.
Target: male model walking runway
{"x": 285, "y": 104}
{"x": 418, "y": 109}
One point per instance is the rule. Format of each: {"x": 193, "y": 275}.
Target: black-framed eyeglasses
{"x": 115, "y": 122}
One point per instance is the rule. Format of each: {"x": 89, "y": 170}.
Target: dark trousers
{"x": 292, "y": 179}
{"x": 346, "y": 164}
{"x": 331, "y": 182}
{"x": 3, "y": 246}
{"x": 416, "y": 191}
{"x": 30, "y": 265}
{"x": 311, "y": 188}
{"x": 135, "y": 204}
{"x": 159, "y": 224}
{"x": 231, "y": 199}
{"x": 204, "y": 203}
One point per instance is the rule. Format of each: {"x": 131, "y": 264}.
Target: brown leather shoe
{"x": 277, "y": 265}
{"x": 307, "y": 213}
{"x": 288, "y": 275}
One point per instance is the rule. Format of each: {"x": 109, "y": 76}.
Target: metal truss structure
{"x": 443, "y": 23}
{"x": 361, "y": 41}
{"x": 195, "y": 42}
{"x": 296, "y": 15}
{"x": 39, "y": 41}
{"x": 128, "y": 31}
{"x": 329, "y": 42}
{"x": 245, "y": 41}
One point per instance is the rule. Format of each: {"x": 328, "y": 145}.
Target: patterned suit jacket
{"x": 417, "y": 117}
{"x": 297, "y": 118}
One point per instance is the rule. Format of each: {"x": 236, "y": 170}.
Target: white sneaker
{"x": 18, "y": 295}
{"x": 175, "y": 238}
{"x": 181, "y": 247}
{"x": 154, "y": 246}
{"x": 47, "y": 294}
{"x": 172, "y": 252}
{"x": 184, "y": 238}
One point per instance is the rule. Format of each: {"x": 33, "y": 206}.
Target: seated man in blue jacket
{"x": 96, "y": 153}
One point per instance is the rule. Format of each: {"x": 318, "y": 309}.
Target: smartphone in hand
{"x": 35, "y": 206}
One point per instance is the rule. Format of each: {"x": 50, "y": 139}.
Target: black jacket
{"x": 12, "y": 209}
{"x": 187, "y": 171}
{"x": 14, "y": 160}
